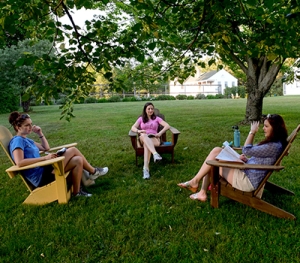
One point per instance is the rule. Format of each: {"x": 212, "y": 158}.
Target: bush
{"x": 165, "y": 97}
{"x": 181, "y": 97}
{"x": 200, "y": 96}
{"x": 90, "y": 100}
{"x": 131, "y": 99}
{"x": 219, "y": 96}
{"x": 8, "y": 100}
{"x": 210, "y": 97}
{"x": 102, "y": 100}
{"x": 115, "y": 98}
{"x": 190, "y": 97}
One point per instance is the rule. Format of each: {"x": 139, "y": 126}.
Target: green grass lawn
{"x": 129, "y": 219}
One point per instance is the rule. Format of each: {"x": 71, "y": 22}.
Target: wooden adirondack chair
{"x": 163, "y": 148}
{"x": 58, "y": 190}
{"x": 219, "y": 186}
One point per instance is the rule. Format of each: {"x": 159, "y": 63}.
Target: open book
{"x": 229, "y": 155}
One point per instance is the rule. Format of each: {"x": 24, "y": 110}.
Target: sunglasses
{"x": 269, "y": 116}
{"x": 24, "y": 116}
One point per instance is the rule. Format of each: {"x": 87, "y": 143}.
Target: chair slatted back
{"x": 5, "y": 137}
{"x": 290, "y": 140}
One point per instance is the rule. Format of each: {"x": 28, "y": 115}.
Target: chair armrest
{"x": 60, "y": 147}
{"x": 13, "y": 170}
{"x": 132, "y": 134}
{"x": 174, "y": 130}
{"x": 244, "y": 166}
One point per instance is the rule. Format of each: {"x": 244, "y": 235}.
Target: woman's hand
{"x": 50, "y": 156}
{"x": 243, "y": 158}
{"x": 37, "y": 130}
{"x": 254, "y": 126}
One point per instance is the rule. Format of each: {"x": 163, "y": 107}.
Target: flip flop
{"x": 195, "y": 197}
{"x": 188, "y": 186}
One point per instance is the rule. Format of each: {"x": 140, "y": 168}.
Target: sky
{"x": 80, "y": 16}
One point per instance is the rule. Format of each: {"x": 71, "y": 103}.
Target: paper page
{"x": 229, "y": 155}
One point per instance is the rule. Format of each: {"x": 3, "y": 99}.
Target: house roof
{"x": 207, "y": 75}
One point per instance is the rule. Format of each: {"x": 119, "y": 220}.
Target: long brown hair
{"x": 144, "y": 113}
{"x": 279, "y": 131}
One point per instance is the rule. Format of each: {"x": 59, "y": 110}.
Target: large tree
{"x": 256, "y": 35}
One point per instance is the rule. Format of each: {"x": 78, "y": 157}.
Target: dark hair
{"x": 144, "y": 114}
{"x": 279, "y": 131}
{"x": 16, "y": 119}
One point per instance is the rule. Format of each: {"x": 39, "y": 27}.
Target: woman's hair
{"x": 144, "y": 113}
{"x": 279, "y": 131}
{"x": 16, "y": 119}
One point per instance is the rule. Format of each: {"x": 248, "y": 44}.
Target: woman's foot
{"x": 188, "y": 186}
{"x": 199, "y": 196}
{"x": 98, "y": 172}
{"x": 146, "y": 174}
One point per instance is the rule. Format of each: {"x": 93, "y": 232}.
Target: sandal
{"x": 195, "y": 197}
{"x": 188, "y": 186}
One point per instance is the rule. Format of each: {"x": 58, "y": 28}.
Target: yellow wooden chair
{"x": 219, "y": 186}
{"x": 57, "y": 190}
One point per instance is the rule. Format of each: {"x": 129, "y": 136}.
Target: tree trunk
{"x": 26, "y": 105}
{"x": 261, "y": 74}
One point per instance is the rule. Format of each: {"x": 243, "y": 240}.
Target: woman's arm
{"x": 135, "y": 127}
{"x": 21, "y": 161}
{"x": 253, "y": 131}
{"x": 43, "y": 145}
{"x": 166, "y": 127}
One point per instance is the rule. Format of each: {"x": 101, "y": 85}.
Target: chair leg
{"x": 215, "y": 186}
{"x": 268, "y": 208}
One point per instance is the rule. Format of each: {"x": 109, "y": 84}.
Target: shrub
{"x": 90, "y": 100}
{"x": 8, "y": 100}
{"x": 60, "y": 101}
{"x": 219, "y": 96}
{"x": 181, "y": 97}
{"x": 200, "y": 96}
{"x": 102, "y": 100}
{"x": 210, "y": 97}
{"x": 190, "y": 97}
{"x": 165, "y": 97}
{"x": 131, "y": 99}
{"x": 114, "y": 98}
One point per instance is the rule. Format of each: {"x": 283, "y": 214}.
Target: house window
{"x": 226, "y": 84}
{"x": 233, "y": 84}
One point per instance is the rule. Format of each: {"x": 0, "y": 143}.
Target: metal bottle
{"x": 236, "y": 136}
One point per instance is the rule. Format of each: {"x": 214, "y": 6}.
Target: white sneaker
{"x": 99, "y": 172}
{"x": 156, "y": 157}
{"x": 146, "y": 174}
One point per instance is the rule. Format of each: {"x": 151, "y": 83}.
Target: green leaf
{"x": 20, "y": 62}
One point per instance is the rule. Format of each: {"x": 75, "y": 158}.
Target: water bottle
{"x": 236, "y": 136}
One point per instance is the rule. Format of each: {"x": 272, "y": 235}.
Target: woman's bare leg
{"x": 147, "y": 156}
{"x": 75, "y": 166}
{"x": 205, "y": 168}
{"x": 71, "y": 152}
{"x": 203, "y": 174}
{"x": 149, "y": 147}
{"x": 149, "y": 143}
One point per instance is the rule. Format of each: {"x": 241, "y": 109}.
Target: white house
{"x": 209, "y": 83}
{"x": 292, "y": 88}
